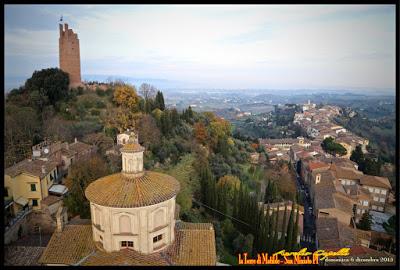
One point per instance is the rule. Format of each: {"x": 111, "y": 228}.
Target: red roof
{"x": 316, "y": 165}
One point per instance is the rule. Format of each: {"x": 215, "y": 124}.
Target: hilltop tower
{"x": 70, "y": 61}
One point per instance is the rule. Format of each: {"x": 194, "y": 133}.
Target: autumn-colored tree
{"x": 218, "y": 128}
{"x": 254, "y": 146}
{"x": 125, "y": 95}
{"x": 121, "y": 118}
{"x": 231, "y": 182}
{"x": 200, "y": 132}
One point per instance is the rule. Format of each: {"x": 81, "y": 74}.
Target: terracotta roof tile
{"x": 375, "y": 181}
{"x": 32, "y": 167}
{"x": 69, "y": 246}
{"x": 22, "y": 255}
{"x": 194, "y": 245}
{"x": 317, "y": 165}
{"x": 132, "y": 147}
{"x": 117, "y": 190}
{"x": 79, "y": 147}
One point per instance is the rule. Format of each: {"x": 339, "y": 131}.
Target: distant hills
{"x": 166, "y": 85}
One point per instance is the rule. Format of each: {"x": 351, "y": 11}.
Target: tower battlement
{"x": 70, "y": 55}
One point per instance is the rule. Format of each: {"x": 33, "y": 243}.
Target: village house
{"x": 332, "y": 234}
{"x": 34, "y": 184}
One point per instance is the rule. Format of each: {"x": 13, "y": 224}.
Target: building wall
{"x": 11, "y": 235}
{"x": 380, "y": 194}
{"x": 20, "y": 186}
{"x": 139, "y": 225}
{"x": 132, "y": 162}
{"x": 69, "y": 55}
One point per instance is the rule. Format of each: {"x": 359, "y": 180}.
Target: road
{"x": 308, "y": 238}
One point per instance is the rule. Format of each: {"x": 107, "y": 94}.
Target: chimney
{"x": 61, "y": 218}
{"x": 61, "y": 29}
{"x": 43, "y": 169}
{"x": 66, "y": 27}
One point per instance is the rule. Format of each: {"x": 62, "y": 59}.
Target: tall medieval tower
{"x": 70, "y": 60}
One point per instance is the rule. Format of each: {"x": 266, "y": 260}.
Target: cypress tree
{"x": 295, "y": 229}
{"x": 283, "y": 230}
{"x": 190, "y": 112}
{"x": 271, "y": 232}
{"x": 275, "y": 238}
{"x": 267, "y": 223}
{"x": 289, "y": 232}
{"x": 240, "y": 205}
{"x": 267, "y": 192}
{"x": 159, "y": 101}
{"x": 234, "y": 203}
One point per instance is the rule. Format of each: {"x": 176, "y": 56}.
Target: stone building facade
{"x": 70, "y": 60}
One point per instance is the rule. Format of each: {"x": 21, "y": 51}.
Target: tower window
{"x": 33, "y": 187}
{"x": 126, "y": 243}
{"x": 157, "y": 238}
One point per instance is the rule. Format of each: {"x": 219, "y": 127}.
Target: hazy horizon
{"x": 323, "y": 47}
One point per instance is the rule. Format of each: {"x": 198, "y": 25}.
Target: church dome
{"x": 122, "y": 191}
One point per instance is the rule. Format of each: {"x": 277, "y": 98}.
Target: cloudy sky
{"x": 191, "y": 46}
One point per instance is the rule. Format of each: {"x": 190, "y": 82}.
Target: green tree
{"x": 365, "y": 222}
{"x": 159, "y": 101}
{"x": 390, "y": 228}
{"x": 289, "y": 231}
{"x": 81, "y": 175}
{"x": 295, "y": 230}
{"x": 333, "y": 148}
{"x": 282, "y": 239}
{"x": 48, "y": 85}
{"x": 357, "y": 155}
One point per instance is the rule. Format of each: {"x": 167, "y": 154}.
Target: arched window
{"x": 97, "y": 215}
{"x": 159, "y": 219}
{"x": 123, "y": 141}
{"x": 124, "y": 224}
{"x": 130, "y": 164}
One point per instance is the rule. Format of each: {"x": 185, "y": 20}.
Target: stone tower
{"x": 70, "y": 61}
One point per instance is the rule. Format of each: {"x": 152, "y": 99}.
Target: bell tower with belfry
{"x": 70, "y": 61}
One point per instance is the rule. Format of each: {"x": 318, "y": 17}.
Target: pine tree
{"x": 289, "y": 232}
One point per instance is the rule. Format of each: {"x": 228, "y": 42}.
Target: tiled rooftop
{"x": 32, "y": 167}
{"x": 22, "y": 255}
{"x": 194, "y": 245}
{"x": 117, "y": 190}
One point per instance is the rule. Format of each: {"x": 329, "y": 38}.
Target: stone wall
{"x": 20, "y": 227}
